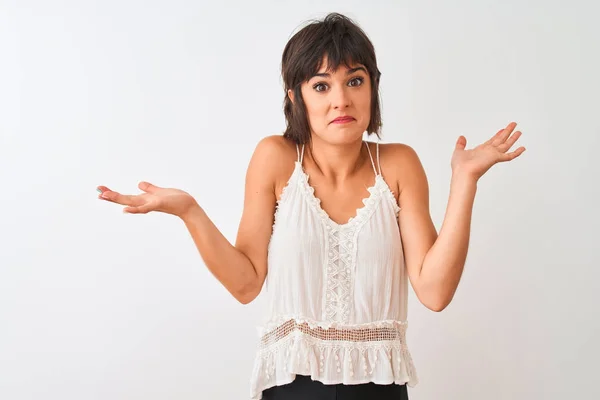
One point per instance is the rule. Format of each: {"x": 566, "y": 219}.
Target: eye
{"x": 358, "y": 80}
{"x": 318, "y": 85}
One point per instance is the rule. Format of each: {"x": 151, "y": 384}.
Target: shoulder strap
{"x": 378, "y": 163}
{"x": 300, "y": 153}
{"x": 371, "y": 157}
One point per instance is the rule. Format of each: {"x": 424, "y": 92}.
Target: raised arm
{"x": 435, "y": 262}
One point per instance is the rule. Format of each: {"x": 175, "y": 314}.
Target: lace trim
{"x": 366, "y": 333}
{"x": 340, "y": 278}
{"x": 380, "y": 184}
{"x": 282, "y": 198}
{"x": 376, "y": 191}
{"x": 316, "y": 202}
{"x": 389, "y": 193}
{"x": 326, "y": 325}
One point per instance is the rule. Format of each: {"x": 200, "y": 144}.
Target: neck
{"x": 336, "y": 161}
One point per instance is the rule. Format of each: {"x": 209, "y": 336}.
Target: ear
{"x": 290, "y": 94}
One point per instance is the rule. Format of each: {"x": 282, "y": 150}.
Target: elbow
{"x": 437, "y": 307}
{"x": 244, "y": 300}
{"x": 247, "y": 295}
{"x": 435, "y": 298}
{"x": 436, "y": 303}
{"x": 244, "y": 297}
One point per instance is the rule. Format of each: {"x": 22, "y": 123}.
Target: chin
{"x": 344, "y": 136}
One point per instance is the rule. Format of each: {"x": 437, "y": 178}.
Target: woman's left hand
{"x": 475, "y": 162}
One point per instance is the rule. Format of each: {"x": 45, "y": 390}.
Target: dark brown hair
{"x": 343, "y": 42}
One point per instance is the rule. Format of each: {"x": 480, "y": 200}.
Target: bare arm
{"x": 435, "y": 262}
{"x": 444, "y": 263}
{"x": 417, "y": 228}
{"x": 242, "y": 268}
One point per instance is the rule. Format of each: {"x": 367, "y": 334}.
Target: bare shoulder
{"x": 401, "y": 166}
{"x": 273, "y": 160}
{"x": 398, "y": 155}
{"x": 274, "y": 149}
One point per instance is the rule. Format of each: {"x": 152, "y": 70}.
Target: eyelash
{"x": 360, "y": 79}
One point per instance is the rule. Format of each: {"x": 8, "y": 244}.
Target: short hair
{"x": 343, "y": 42}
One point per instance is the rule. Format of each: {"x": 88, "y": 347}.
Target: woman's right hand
{"x": 166, "y": 200}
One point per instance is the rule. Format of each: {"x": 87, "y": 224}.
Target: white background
{"x": 98, "y": 305}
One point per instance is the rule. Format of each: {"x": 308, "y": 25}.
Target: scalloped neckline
{"x": 316, "y": 202}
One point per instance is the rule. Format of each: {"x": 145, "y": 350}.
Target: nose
{"x": 340, "y": 98}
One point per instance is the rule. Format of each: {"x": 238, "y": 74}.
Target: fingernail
{"x": 98, "y": 190}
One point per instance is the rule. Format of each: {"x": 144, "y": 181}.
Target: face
{"x": 328, "y": 95}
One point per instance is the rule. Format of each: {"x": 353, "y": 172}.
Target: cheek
{"x": 364, "y": 103}
{"x": 316, "y": 107}
{"x": 365, "y": 97}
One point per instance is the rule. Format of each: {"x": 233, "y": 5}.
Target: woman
{"x": 341, "y": 226}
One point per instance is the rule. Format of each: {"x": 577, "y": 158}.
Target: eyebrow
{"x": 348, "y": 72}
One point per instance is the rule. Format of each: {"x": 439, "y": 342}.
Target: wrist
{"x": 464, "y": 183}
{"x": 190, "y": 212}
{"x": 463, "y": 176}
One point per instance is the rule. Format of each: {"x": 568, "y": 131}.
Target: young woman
{"x": 335, "y": 227}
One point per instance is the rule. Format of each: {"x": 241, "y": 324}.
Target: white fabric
{"x": 336, "y": 293}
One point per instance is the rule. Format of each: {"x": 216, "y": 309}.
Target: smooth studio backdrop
{"x": 98, "y": 305}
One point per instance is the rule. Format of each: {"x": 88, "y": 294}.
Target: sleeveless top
{"x": 336, "y": 293}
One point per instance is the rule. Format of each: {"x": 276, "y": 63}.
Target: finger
{"x": 118, "y": 198}
{"x": 504, "y": 147}
{"x": 461, "y": 143}
{"x": 512, "y": 155}
{"x": 148, "y": 187}
{"x": 102, "y": 189}
{"x": 504, "y": 134}
{"x": 101, "y": 192}
{"x": 494, "y": 137}
{"x": 144, "y": 209}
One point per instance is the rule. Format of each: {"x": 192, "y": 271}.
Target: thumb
{"x": 461, "y": 143}
{"x": 147, "y": 187}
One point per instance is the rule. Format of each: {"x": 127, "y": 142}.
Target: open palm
{"x": 477, "y": 161}
{"x": 154, "y": 198}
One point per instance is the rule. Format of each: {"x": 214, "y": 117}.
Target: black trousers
{"x": 304, "y": 388}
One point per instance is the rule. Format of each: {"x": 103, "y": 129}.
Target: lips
{"x": 340, "y": 120}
